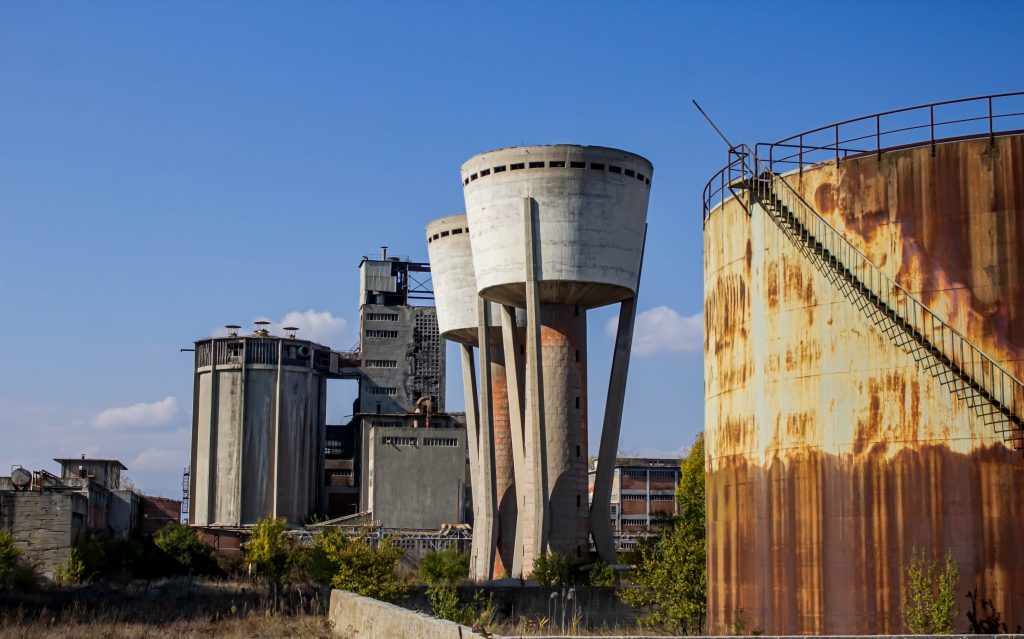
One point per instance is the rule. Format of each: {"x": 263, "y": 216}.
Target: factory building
{"x": 261, "y": 445}
{"x": 48, "y": 514}
{"x": 552, "y": 231}
{"x": 643, "y": 494}
{"x": 863, "y": 349}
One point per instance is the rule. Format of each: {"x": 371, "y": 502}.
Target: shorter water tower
{"x": 257, "y": 427}
{"x": 494, "y": 412}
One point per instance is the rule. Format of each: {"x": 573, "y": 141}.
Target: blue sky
{"x": 166, "y": 168}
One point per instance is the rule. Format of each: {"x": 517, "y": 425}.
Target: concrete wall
{"x": 415, "y": 477}
{"x": 46, "y": 525}
{"x": 830, "y": 455}
{"x": 353, "y": 616}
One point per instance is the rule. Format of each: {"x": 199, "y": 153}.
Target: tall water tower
{"x": 556, "y": 230}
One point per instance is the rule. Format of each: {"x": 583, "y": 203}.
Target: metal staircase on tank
{"x": 995, "y": 395}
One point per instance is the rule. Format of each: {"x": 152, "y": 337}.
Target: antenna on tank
{"x": 712, "y": 123}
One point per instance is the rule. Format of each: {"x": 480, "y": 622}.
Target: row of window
{"x": 390, "y": 391}
{"x": 382, "y": 317}
{"x": 447, "y": 442}
{"x": 642, "y": 497}
{"x": 560, "y": 164}
{"x": 376, "y": 332}
{"x": 642, "y": 474}
{"x": 446, "y": 234}
{"x": 380, "y": 363}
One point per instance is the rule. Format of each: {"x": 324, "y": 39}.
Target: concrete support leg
{"x": 488, "y": 507}
{"x": 600, "y": 513}
{"x": 536, "y": 443}
{"x": 472, "y": 443}
{"x": 512, "y": 341}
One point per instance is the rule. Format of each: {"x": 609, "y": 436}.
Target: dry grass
{"x": 252, "y": 627}
{"x": 168, "y": 609}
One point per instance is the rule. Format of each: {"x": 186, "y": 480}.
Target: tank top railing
{"x": 993, "y": 393}
{"x": 923, "y": 125}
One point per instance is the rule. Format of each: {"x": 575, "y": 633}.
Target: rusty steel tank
{"x": 831, "y": 455}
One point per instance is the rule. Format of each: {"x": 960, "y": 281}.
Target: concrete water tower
{"x": 489, "y": 416}
{"x": 556, "y": 230}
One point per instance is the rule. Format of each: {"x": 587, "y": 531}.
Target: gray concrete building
{"x": 414, "y": 475}
{"x": 643, "y": 494}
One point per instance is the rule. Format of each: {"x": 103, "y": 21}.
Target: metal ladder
{"x": 994, "y": 394}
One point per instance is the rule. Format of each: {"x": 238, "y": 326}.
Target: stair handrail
{"x": 945, "y": 338}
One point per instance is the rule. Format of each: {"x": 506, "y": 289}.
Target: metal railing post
{"x": 991, "y": 134}
{"x": 931, "y": 126}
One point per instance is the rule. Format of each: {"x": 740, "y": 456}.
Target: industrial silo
{"x": 257, "y": 428}
{"x": 556, "y": 230}
{"x": 864, "y": 342}
{"x": 490, "y": 422}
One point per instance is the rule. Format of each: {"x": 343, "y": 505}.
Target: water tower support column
{"x": 536, "y": 441}
{"x": 513, "y": 344}
{"x": 600, "y": 512}
{"x": 472, "y": 414}
{"x": 484, "y": 528}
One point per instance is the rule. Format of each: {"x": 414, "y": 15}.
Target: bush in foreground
{"x": 352, "y": 563}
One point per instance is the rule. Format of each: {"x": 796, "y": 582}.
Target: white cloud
{"x": 318, "y": 326}
{"x": 159, "y": 459}
{"x": 662, "y": 330}
{"x": 142, "y": 414}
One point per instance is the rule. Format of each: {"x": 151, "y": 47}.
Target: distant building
{"x": 401, "y": 391}
{"x": 643, "y": 491}
{"x": 48, "y": 514}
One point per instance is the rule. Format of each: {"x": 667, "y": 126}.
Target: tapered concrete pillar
{"x": 515, "y": 358}
{"x": 473, "y": 444}
{"x": 504, "y": 469}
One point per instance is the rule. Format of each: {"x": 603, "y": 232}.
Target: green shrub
{"x": 277, "y": 556}
{"x": 185, "y": 548}
{"x": 445, "y": 567}
{"x": 352, "y": 563}
{"x": 929, "y": 601}
{"x": 16, "y": 572}
{"x": 73, "y": 571}
{"x": 551, "y": 569}
{"x": 601, "y": 574}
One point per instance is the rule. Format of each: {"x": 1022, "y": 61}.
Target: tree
{"x": 445, "y": 567}
{"x": 442, "y": 571}
{"x": 601, "y": 574}
{"x": 551, "y": 569}
{"x": 185, "y": 548}
{"x": 9, "y": 557}
{"x": 276, "y": 555}
{"x": 670, "y": 575}
{"x": 352, "y": 563}
{"x": 929, "y": 600}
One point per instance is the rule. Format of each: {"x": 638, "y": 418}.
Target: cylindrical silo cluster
{"x": 549, "y": 232}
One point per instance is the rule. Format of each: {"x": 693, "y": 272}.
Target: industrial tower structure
{"x": 553, "y": 231}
